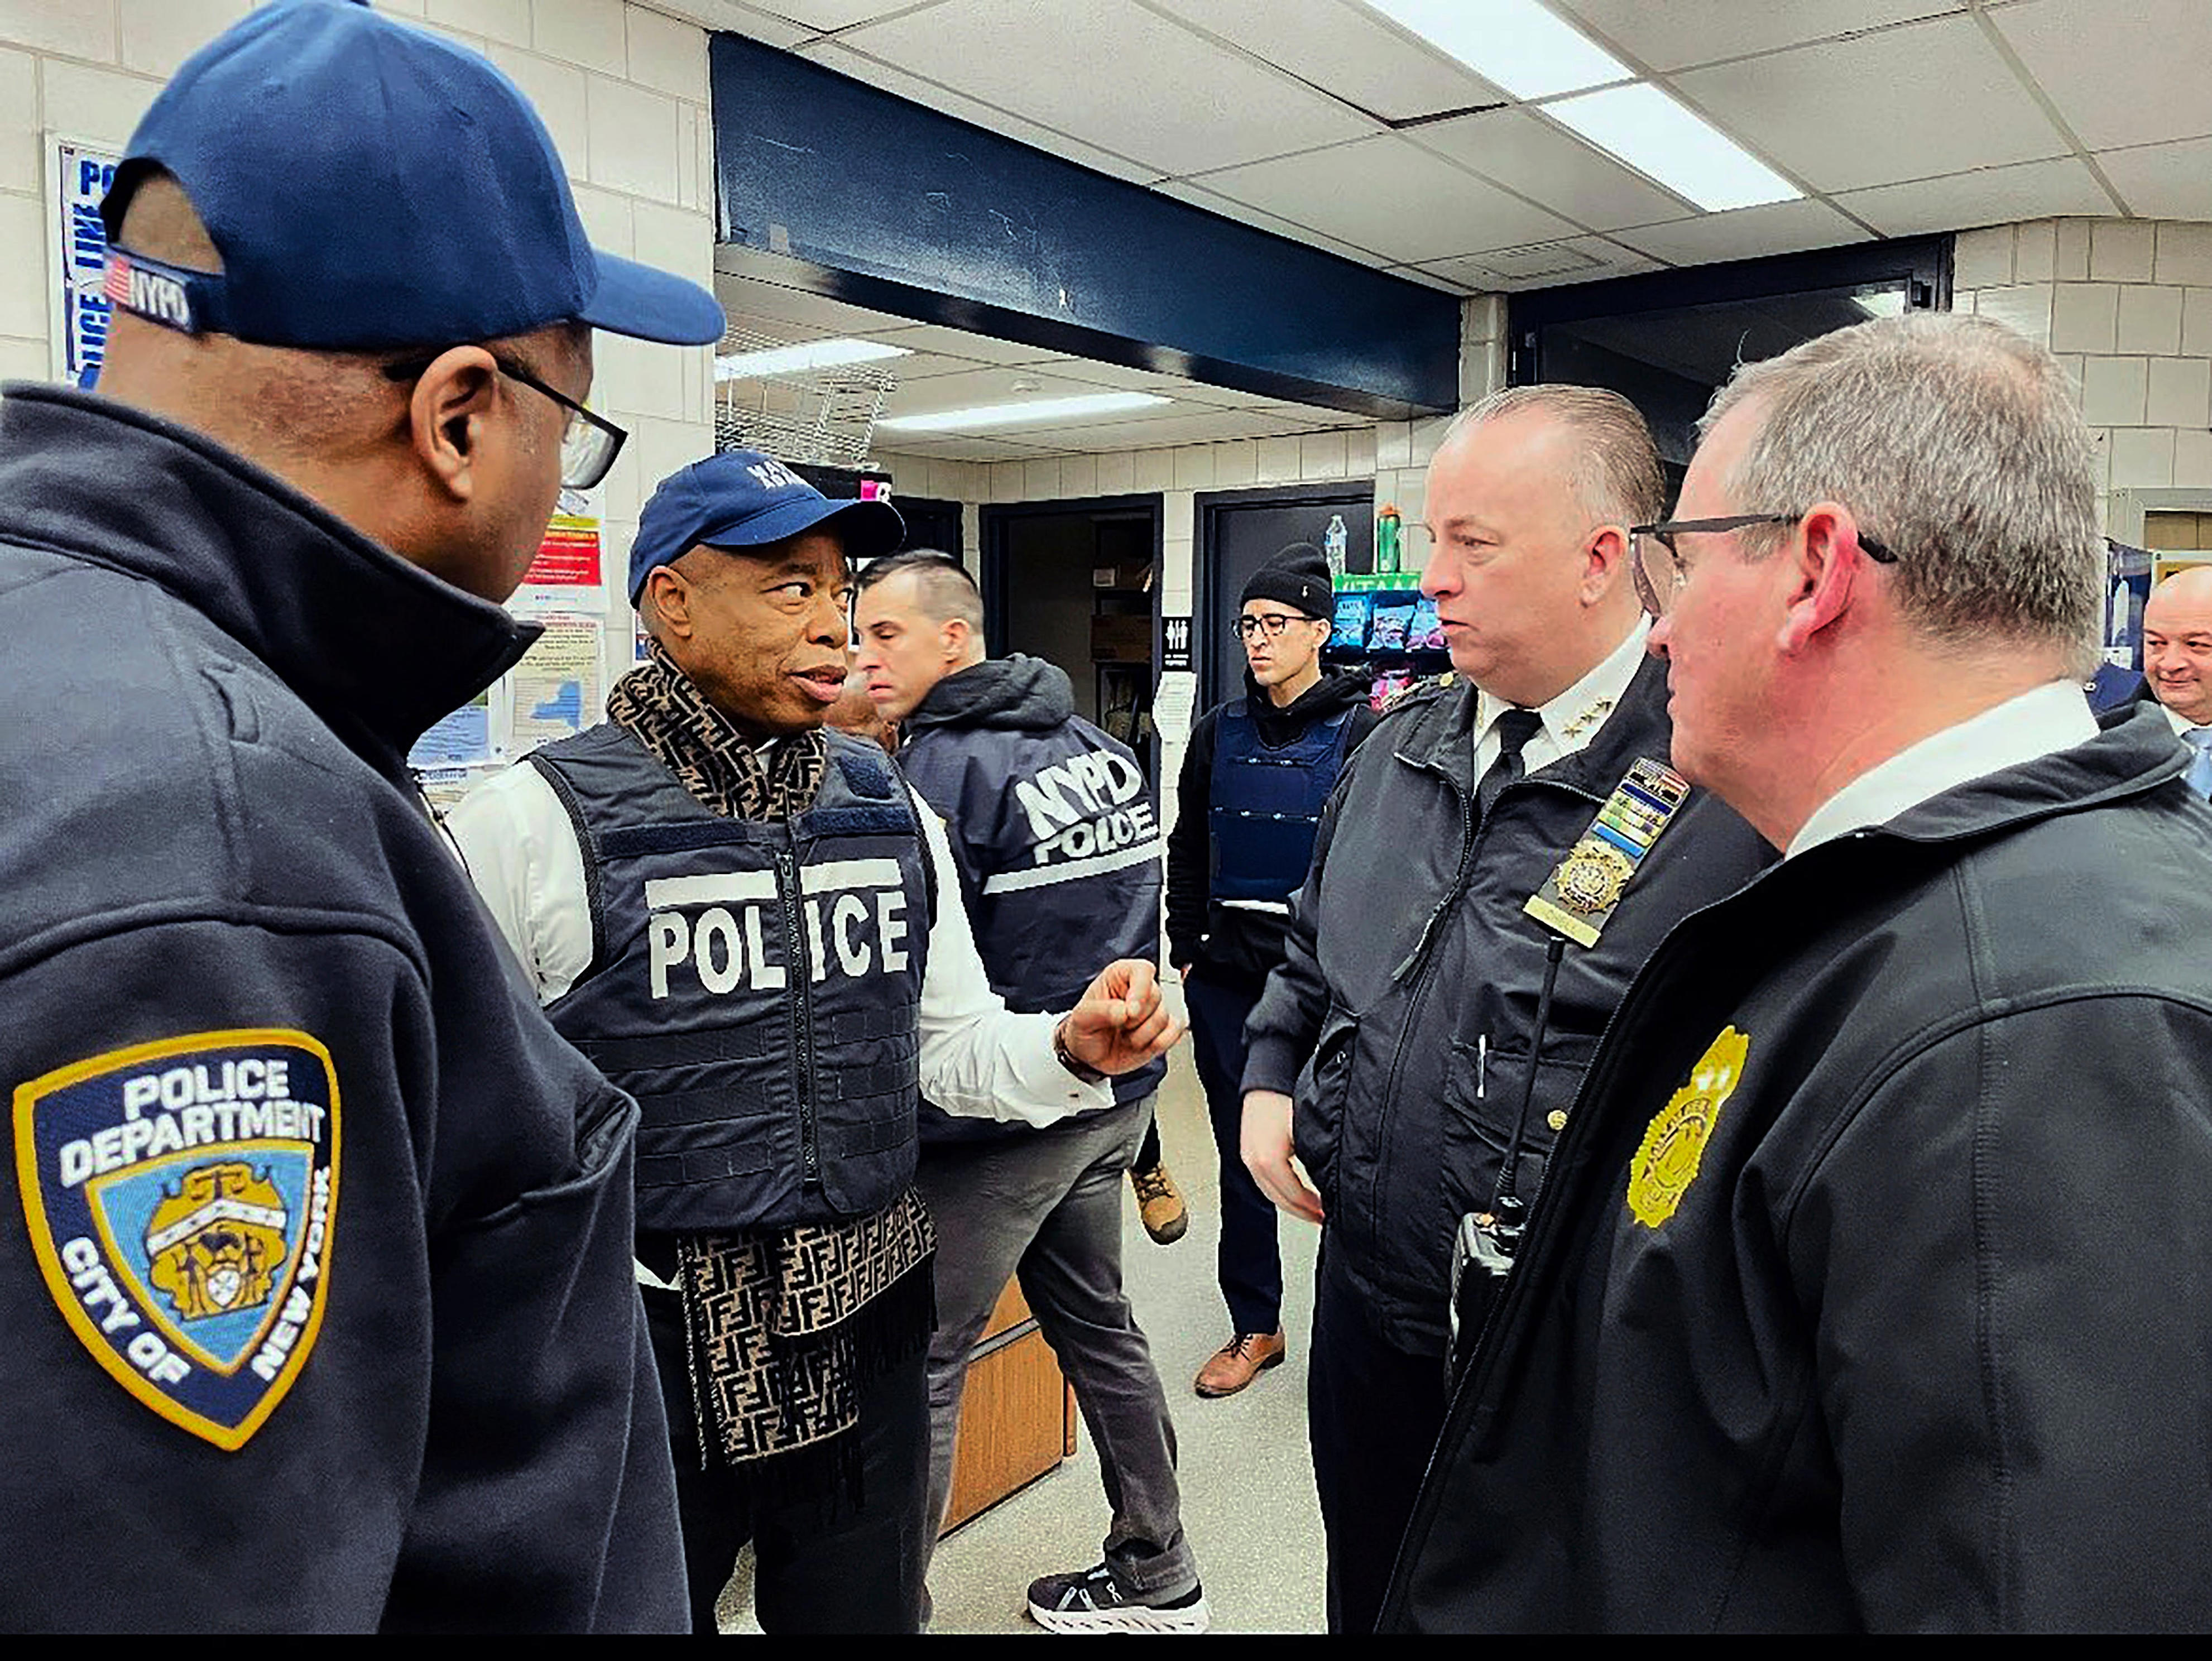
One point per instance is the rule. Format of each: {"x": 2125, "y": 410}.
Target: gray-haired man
{"x": 1868, "y": 1288}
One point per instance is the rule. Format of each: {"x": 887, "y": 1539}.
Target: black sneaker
{"x": 1094, "y": 1602}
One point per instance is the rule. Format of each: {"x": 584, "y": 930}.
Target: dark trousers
{"x": 1249, "y": 1263}
{"x": 816, "y": 1568}
{"x": 1374, "y": 1413}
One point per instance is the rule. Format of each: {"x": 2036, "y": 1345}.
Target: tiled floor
{"x": 1248, "y": 1485}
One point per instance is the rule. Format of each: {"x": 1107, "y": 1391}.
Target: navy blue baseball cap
{"x": 371, "y": 185}
{"x": 742, "y": 499}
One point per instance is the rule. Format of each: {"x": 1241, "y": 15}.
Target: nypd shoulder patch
{"x": 182, "y": 1197}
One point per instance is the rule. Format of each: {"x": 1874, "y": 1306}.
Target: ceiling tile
{"x": 1674, "y": 34}
{"x": 775, "y": 25}
{"x": 1245, "y": 214}
{"x": 1526, "y": 153}
{"x": 817, "y": 13}
{"x": 1346, "y": 49}
{"x": 1908, "y": 103}
{"x": 957, "y": 343}
{"x": 2131, "y": 74}
{"x": 1115, "y": 75}
{"x": 1577, "y": 259}
{"x": 794, "y": 313}
{"x": 888, "y": 78}
{"x": 2164, "y": 181}
{"x": 1993, "y": 196}
{"x": 1744, "y": 232}
{"x": 997, "y": 384}
{"x": 1211, "y": 427}
{"x": 1386, "y": 194}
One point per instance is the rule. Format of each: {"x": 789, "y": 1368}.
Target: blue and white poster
{"x": 78, "y": 175}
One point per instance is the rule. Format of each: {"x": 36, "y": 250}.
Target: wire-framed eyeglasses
{"x": 1656, "y": 567}
{"x": 589, "y": 443}
{"x": 1270, "y": 623}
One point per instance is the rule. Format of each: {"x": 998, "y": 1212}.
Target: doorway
{"x": 1240, "y": 530}
{"x": 1076, "y": 583}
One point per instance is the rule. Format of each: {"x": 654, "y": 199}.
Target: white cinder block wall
{"x": 2127, "y": 306}
{"x": 621, "y": 88}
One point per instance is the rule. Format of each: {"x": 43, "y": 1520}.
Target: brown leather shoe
{"x": 1239, "y": 1361}
{"x": 1159, "y": 1204}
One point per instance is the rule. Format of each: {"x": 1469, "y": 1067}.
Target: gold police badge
{"x": 1592, "y": 878}
{"x": 1675, "y": 1142}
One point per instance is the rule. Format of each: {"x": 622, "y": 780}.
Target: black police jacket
{"x": 756, "y": 984}
{"x": 1870, "y": 1288}
{"x": 1054, "y": 832}
{"x": 1402, "y": 1019}
{"x": 316, "y": 1266}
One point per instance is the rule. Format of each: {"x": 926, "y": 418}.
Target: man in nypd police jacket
{"x": 316, "y": 1278}
{"x": 1433, "y": 1032}
{"x": 1869, "y": 1288}
{"x": 754, "y": 927}
{"x": 1050, "y": 822}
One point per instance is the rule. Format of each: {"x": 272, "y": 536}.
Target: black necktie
{"x": 1515, "y": 728}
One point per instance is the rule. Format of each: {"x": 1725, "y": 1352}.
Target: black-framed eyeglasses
{"x": 1271, "y": 624}
{"x": 589, "y": 443}
{"x": 1656, "y": 567}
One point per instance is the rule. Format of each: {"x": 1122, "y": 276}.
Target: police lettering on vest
{"x": 725, "y": 929}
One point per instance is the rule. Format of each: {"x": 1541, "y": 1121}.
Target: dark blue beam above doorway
{"x": 886, "y": 205}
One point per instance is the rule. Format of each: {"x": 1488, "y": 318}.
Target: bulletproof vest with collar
{"x": 1267, "y": 804}
{"x": 754, "y": 984}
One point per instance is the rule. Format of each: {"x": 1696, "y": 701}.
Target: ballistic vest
{"x": 754, "y": 984}
{"x": 1266, "y": 804}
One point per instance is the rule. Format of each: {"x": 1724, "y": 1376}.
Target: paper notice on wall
{"x": 556, "y": 690}
{"x": 462, "y": 739}
{"x": 565, "y": 574}
{"x": 1173, "y": 705}
{"x": 78, "y": 176}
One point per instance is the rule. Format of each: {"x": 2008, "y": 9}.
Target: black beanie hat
{"x": 1298, "y": 576}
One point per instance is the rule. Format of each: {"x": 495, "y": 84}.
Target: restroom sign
{"x": 1175, "y": 642}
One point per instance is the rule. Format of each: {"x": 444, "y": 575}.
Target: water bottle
{"x": 1386, "y": 538}
{"x": 1334, "y": 544}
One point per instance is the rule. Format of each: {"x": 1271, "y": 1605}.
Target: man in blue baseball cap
{"x": 756, "y": 928}
{"x": 321, "y": 1311}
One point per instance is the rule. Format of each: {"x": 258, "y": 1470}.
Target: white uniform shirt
{"x": 2036, "y": 723}
{"x": 978, "y": 1059}
{"x": 1570, "y": 720}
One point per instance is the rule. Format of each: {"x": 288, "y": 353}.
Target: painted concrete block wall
{"x": 2126, "y": 304}
{"x": 621, "y": 88}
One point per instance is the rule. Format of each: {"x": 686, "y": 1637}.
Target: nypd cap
{"x": 741, "y": 499}
{"x": 371, "y": 185}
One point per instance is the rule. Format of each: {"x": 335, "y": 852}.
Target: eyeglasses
{"x": 589, "y": 444}
{"x": 1271, "y": 624}
{"x": 1656, "y": 567}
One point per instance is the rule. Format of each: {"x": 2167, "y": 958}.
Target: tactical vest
{"x": 778, "y": 1080}
{"x": 1266, "y": 804}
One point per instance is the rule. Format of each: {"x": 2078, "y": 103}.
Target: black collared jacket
{"x": 1401, "y": 1018}
{"x": 315, "y": 1260}
{"x": 1873, "y": 1285}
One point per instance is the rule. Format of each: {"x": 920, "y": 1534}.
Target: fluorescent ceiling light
{"x": 1038, "y": 408}
{"x": 1656, "y": 136}
{"x": 1514, "y": 43}
{"x": 815, "y": 355}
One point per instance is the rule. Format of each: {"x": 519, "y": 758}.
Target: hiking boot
{"x": 1094, "y": 1601}
{"x": 1159, "y": 1202}
{"x": 1239, "y": 1361}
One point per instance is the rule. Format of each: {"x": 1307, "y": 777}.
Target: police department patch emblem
{"x": 1675, "y": 1142}
{"x": 182, "y": 1197}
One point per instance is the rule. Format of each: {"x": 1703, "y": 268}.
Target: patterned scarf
{"x": 789, "y": 1327}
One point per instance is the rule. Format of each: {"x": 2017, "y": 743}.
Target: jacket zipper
{"x": 802, "y": 1015}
